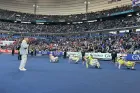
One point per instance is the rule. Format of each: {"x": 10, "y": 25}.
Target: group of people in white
{"x": 88, "y": 61}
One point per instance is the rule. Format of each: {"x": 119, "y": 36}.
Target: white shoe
{"x": 22, "y": 69}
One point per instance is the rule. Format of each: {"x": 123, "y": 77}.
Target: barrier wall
{"x": 8, "y": 51}
{"x": 4, "y": 43}
{"x": 133, "y": 57}
{"x": 102, "y": 56}
{"x": 55, "y": 53}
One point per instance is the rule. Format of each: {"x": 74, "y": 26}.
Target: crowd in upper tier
{"x": 11, "y": 15}
{"x": 98, "y": 24}
{"x": 128, "y": 21}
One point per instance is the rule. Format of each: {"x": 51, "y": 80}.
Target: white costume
{"x": 92, "y": 62}
{"x": 53, "y": 59}
{"x": 23, "y": 53}
{"x": 95, "y": 62}
{"x": 74, "y": 58}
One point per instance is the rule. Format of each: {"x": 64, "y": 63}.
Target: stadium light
{"x": 35, "y": 5}
{"x": 86, "y": 3}
{"x": 35, "y": 8}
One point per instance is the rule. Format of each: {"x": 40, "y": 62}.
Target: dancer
{"x": 130, "y": 65}
{"x": 122, "y": 62}
{"x": 23, "y": 52}
{"x": 91, "y": 62}
{"x": 74, "y": 58}
{"x": 53, "y": 59}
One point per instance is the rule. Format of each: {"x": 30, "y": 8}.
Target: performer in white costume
{"x": 92, "y": 62}
{"x": 23, "y": 53}
{"x": 53, "y": 59}
{"x": 74, "y": 58}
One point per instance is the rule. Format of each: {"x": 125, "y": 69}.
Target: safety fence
{"x": 101, "y": 56}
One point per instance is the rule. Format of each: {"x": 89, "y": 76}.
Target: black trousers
{"x": 19, "y": 57}
{"x": 65, "y": 55}
{"x": 83, "y": 59}
{"x": 35, "y": 53}
{"x": 32, "y": 53}
{"x": 114, "y": 59}
{"x": 13, "y": 53}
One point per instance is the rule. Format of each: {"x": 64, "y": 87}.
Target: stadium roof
{"x": 59, "y": 7}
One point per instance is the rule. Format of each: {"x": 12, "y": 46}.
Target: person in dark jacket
{"x": 114, "y": 56}
{"x": 35, "y": 52}
{"x": 83, "y": 56}
{"x": 13, "y": 51}
{"x": 65, "y": 54}
{"x": 19, "y": 56}
{"x": 32, "y": 52}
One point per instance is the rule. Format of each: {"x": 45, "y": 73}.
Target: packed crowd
{"x": 123, "y": 43}
{"x": 11, "y": 15}
{"x": 128, "y": 21}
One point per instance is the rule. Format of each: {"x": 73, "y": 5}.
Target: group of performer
{"x": 88, "y": 61}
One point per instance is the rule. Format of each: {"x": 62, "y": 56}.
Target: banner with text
{"x": 6, "y": 43}
{"x": 74, "y": 53}
{"x": 133, "y": 57}
{"x": 103, "y": 56}
{"x": 7, "y": 51}
{"x": 55, "y": 53}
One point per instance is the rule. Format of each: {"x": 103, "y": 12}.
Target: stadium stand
{"x": 114, "y": 18}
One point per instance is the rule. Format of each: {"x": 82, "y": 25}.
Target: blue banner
{"x": 40, "y": 21}
{"x": 133, "y": 57}
{"x": 124, "y": 12}
{"x": 55, "y": 53}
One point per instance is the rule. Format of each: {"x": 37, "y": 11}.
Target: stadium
{"x": 69, "y": 46}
